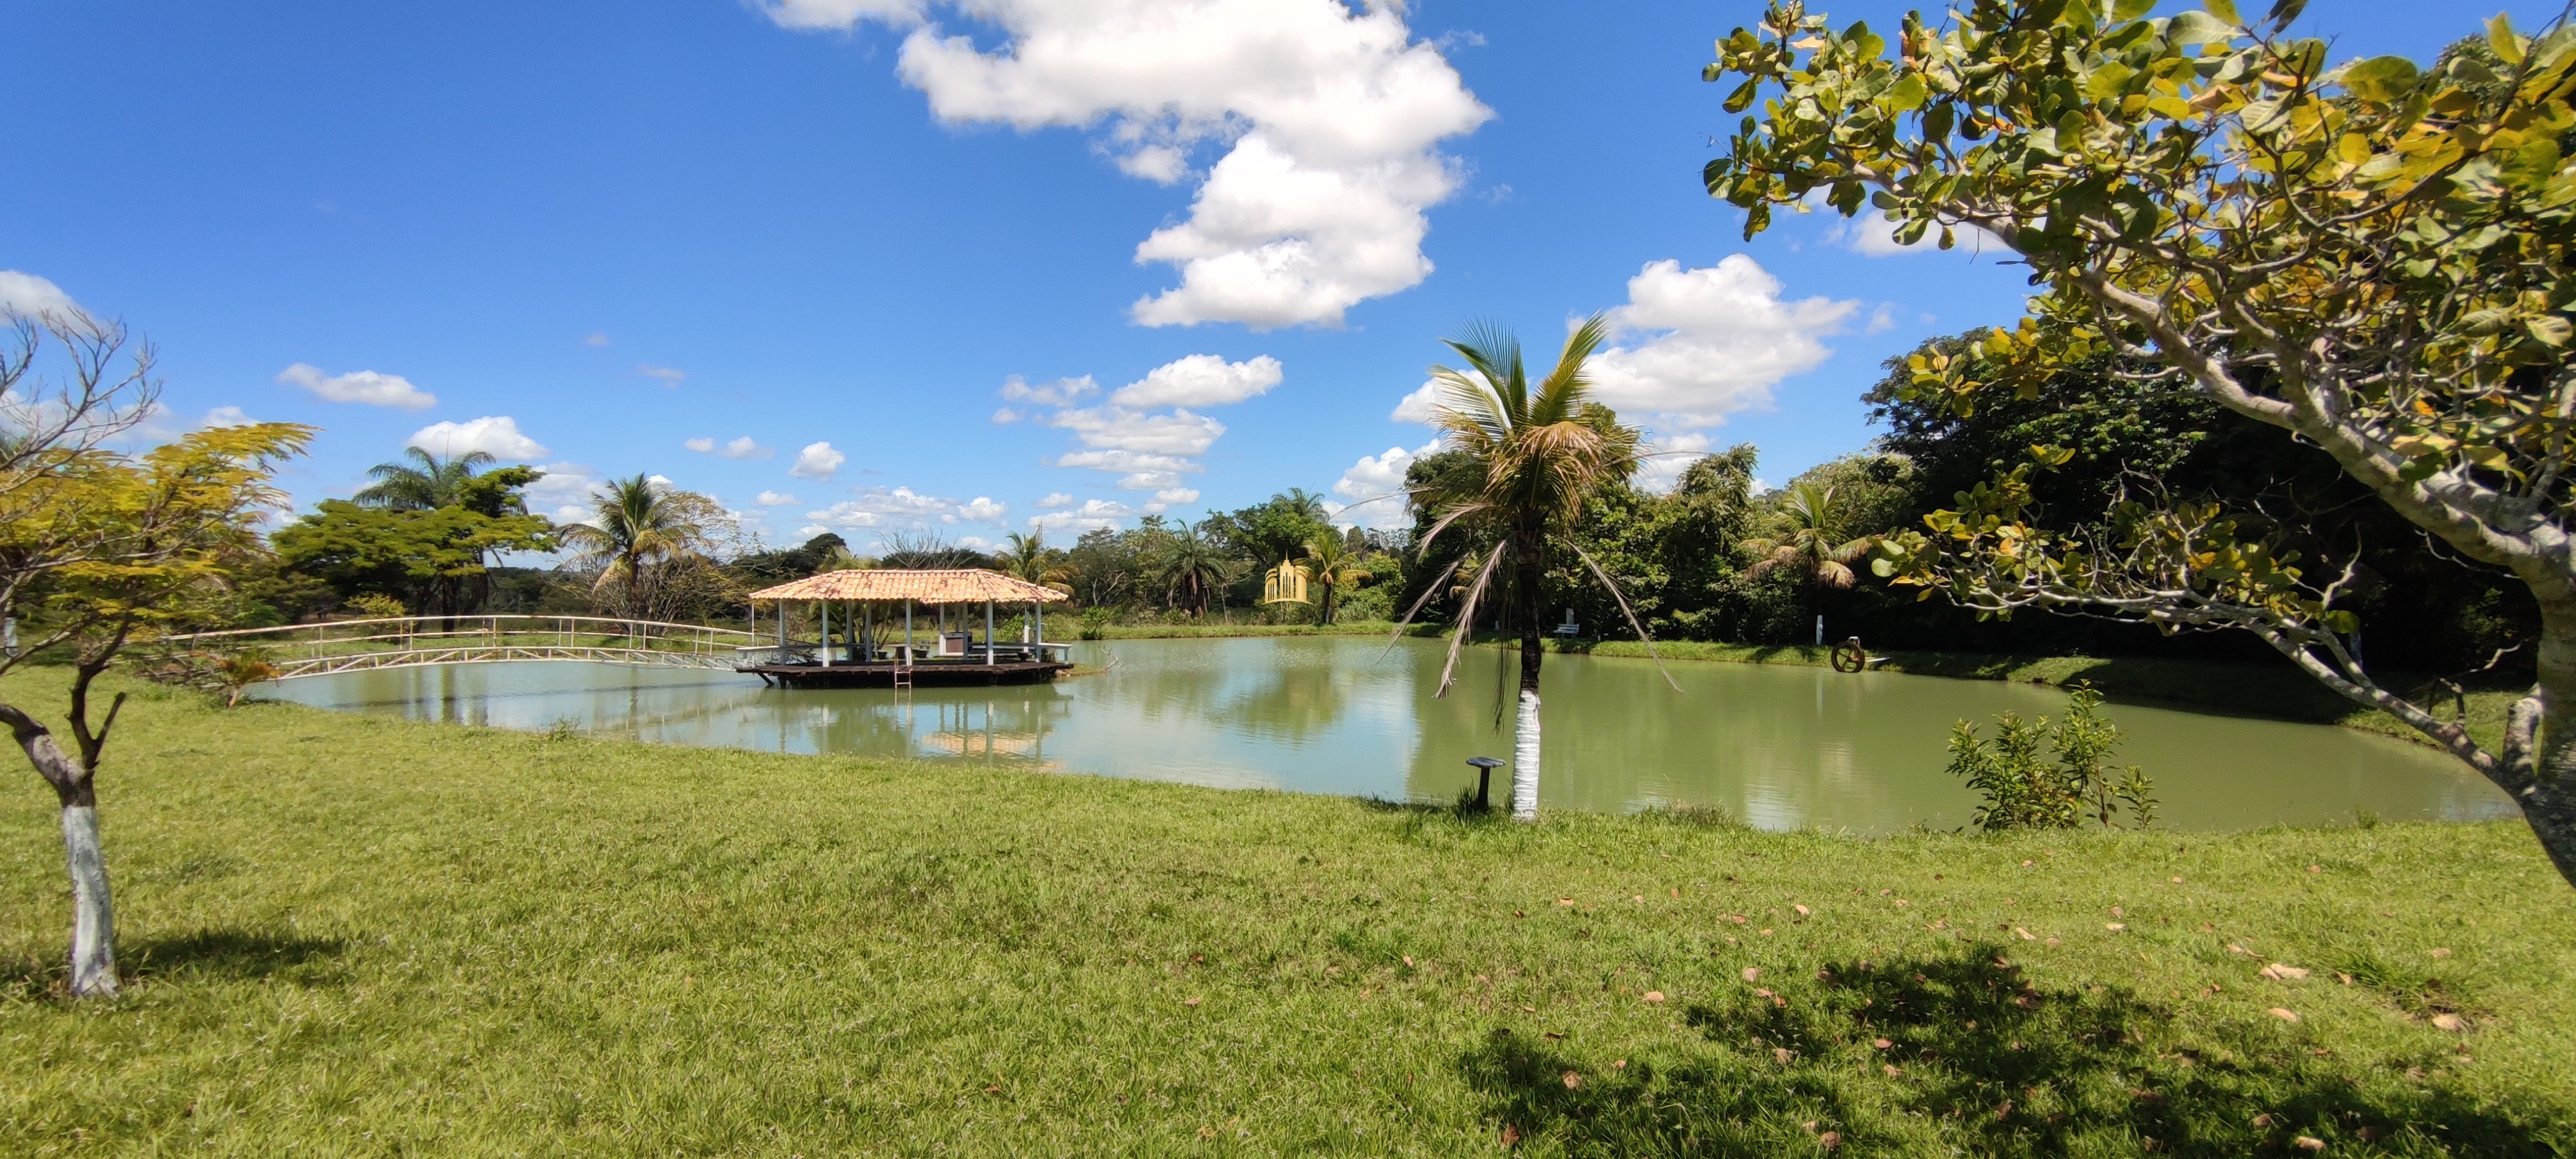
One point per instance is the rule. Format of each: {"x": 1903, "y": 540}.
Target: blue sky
{"x": 1012, "y": 260}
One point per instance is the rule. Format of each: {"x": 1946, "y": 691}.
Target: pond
{"x": 1779, "y": 746}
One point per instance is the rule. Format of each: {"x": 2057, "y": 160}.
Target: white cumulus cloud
{"x": 1421, "y": 406}
{"x": 1092, "y": 515}
{"x": 775, "y": 499}
{"x": 1061, "y": 392}
{"x": 359, "y": 386}
{"x": 1697, "y": 345}
{"x": 741, "y": 448}
{"x": 26, "y": 295}
{"x": 1873, "y": 235}
{"x": 1375, "y": 488}
{"x": 904, "y": 507}
{"x": 1665, "y": 457}
{"x": 1056, "y": 500}
{"x": 497, "y": 434}
{"x": 226, "y": 416}
{"x": 1330, "y": 118}
{"x": 1200, "y": 380}
{"x": 817, "y": 461}
{"x": 982, "y": 510}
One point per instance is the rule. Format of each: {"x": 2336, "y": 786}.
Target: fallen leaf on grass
{"x": 1572, "y": 1080}
{"x": 2280, "y": 973}
{"x": 1192, "y": 1001}
{"x": 1891, "y": 1070}
{"x": 2442, "y": 953}
{"x": 1622, "y": 1064}
{"x": 1781, "y": 1055}
{"x": 1830, "y": 1139}
{"x": 1752, "y": 972}
{"x": 2283, "y": 1015}
{"x": 2024, "y": 935}
{"x": 1882, "y": 1043}
{"x": 2115, "y": 927}
{"x": 1802, "y": 910}
{"x": 1655, "y": 996}
{"x": 1565, "y": 901}
{"x": 2450, "y": 1022}
{"x": 1559, "y": 1034}
{"x": 2308, "y": 1143}
{"x": 2316, "y": 869}
{"x": 1511, "y": 1136}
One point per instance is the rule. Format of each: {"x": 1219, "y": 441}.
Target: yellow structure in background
{"x": 1284, "y": 584}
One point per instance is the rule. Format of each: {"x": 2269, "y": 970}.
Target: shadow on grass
{"x": 1963, "y": 1054}
{"x": 236, "y": 955}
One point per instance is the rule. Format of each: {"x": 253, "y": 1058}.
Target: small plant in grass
{"x": 237, "y": 672}
{"x": 1095, "y": 623}
{"x": 2024, "y": 790}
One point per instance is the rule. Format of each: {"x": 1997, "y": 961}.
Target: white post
{"x": 989, "y": 659}
{"x": 907, "y": 633}
{"x": 826, "y": 605}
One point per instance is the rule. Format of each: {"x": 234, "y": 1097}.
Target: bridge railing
{"x": 299, "y": 649}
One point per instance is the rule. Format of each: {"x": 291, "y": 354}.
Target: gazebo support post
{"x": 826, "y": 605}
{"x": 990, "y": 659}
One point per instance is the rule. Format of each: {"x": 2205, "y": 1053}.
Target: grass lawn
{"x": 350, "y": 935}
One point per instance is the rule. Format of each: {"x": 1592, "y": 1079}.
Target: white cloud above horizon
{"x": 25, "y": 295}
{"x": 364, "y": 387}
{"x": 877, "y": 507}
{"x": 1200, "y": 380}
{"x": 1091, "y": 515}
{"x": 1330, "y": 119}
{"x": 743, "y": 448}
{"x": 776, "y": 499}
{"x": 497, "y": 435}
{"x": 1872, "y": 234}
{"x": 818, "y": 461}
{"x": 667, "y": 376}
{"x": 1694, "y": 346}
{"x": 1374, "y": 487}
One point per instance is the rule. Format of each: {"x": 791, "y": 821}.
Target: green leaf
{"x": 1742, "y": 97}
{"x": 2197, "y": 28}
{"x": 1908, "y": 94}
{"x": 2500, "y": 37}
{"x": 2285, "y": 11}
{"x": 2125, "y": 11}
{"x": 2383, "y": 79}
{"x": 2224, "y": 10}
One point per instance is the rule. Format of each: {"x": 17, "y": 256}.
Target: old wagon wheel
{"x": 1849, "y": 656}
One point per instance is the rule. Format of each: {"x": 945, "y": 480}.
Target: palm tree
{"x": 426, "y": 483}
{"x": 635, "y": 528}
{"x": 1809, "y": 523}
{"x": 1193, "y": 568}
{"x": 1539, "y": 450}
{"x": 1026, "y": 557}
{"x": 1329, "y": 561}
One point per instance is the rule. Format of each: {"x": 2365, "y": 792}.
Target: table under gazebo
{"x": 869, "y": 630}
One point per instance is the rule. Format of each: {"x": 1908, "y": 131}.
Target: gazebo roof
{"x": 958, "y": 586}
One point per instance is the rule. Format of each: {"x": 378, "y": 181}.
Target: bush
{"x": 2024, "y": 791}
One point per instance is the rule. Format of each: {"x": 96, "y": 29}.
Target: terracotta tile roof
{"x": 963, "y": 586}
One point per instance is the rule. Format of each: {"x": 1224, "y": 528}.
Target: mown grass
{"x": 351, "y": 935}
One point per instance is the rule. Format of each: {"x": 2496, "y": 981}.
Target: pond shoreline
{"x": 2234, "y": 688}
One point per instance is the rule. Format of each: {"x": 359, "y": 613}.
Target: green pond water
{"x": 1781, "y": 747}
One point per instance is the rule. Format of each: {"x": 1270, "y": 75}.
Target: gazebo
{"x": 864, "y": 651}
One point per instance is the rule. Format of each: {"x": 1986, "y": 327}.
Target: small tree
{"x": 2371, "y": 257}
{"x": 97, "y": 546}
{"x": 2023, "y": 790}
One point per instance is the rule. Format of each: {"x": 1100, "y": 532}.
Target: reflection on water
{"x": 1782, "y": 747}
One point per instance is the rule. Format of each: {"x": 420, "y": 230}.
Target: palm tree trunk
{"x": 1525, "y": 748}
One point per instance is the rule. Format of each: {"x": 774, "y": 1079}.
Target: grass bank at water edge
{"x": 350, "y": 935}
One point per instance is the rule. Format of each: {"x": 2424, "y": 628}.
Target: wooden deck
{"x": 925, "y": 674}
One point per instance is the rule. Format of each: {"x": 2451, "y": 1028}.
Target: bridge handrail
{"x": 492, "y": 620}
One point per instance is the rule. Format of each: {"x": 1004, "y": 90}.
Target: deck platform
{"x": 925, "y": 674}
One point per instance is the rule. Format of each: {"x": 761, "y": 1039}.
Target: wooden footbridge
{"x": 299, "y": 650}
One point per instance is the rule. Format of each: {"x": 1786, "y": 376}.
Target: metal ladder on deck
{"x": 903, "y": 672}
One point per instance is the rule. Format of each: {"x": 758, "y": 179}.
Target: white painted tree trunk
{"x": 93, "y": 922}
{"x": 1525, "y": 760}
